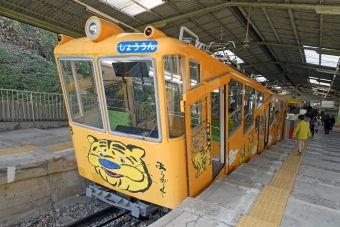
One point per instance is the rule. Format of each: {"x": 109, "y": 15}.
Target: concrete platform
{"x": 300, "y": 213}
{"x": 313, "y": 201}
{"x": 33, "y": 180}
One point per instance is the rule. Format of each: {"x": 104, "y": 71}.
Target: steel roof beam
{"x": 292, "y": 20}
{"x": 321, "y": 27}
{"x": 318, "y": 50}
{"x": 320, "y": 36}
{"x": 323, "y": 94}
{"x": 257, "y": 36}
{"x": 225, "y": 29}
{"x": 194, "y": 21}
{"x": 246, "y": 4}
{"x": 294, "y": 65}
{"x": 325, "y": 88}
{"x": 254, "y": 31}
{"x": 40, "y": 23}
{"x": 275, "y": 32}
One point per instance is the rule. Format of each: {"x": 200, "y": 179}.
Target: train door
{"x": 198, "y": 141}
{"x": 267, "y": 125}
{"x": 217, "y": 120}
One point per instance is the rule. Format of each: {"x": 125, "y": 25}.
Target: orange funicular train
{"x": 156, "y": 119}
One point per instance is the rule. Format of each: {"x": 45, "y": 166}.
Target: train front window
{"x": 81, "y": 92}
{"x": 130, "y": 97}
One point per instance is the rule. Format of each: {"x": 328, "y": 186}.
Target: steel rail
{"x": 114, "y": 218}
{"x": 93, "y": 217}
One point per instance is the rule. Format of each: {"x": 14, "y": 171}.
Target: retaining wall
{"x": 31, "y": 189}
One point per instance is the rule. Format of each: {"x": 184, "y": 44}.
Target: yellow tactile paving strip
{"x": 269, "y": 208}
{"x": 270, "y": 205}
{"x": 18, "y": 149}
{"x": 253, "y": 222}
{"x": 284, "y": 179}
{"x": 26, "y": 148}
{"x": 59, "y": 147}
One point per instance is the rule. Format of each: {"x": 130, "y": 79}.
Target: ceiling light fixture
{"x": 328, "y": 71}
{"x": 328, "y": 52}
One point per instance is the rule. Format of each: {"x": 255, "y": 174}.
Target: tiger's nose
{"x": 109, "y": 164}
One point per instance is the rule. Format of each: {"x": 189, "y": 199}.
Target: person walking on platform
{"x": 327, "y": 124}
{"x": 332, "y": 120}
{"x": 317, "y": 124}
{"x": 302, "y": 132}
{"x": 312, "y": 123}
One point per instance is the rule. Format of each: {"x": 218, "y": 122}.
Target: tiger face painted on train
{"x": 120, "y": 165}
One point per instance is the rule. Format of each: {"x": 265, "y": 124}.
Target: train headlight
{"x": 98, "y": 29}
{"x": 148, "y": 31}
{"x": 93, "y": 28}
{"x": 63, "y": 38}
{"x": 153, "y": 33}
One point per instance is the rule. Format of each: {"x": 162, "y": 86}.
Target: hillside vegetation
{"x": 26, "y": 57}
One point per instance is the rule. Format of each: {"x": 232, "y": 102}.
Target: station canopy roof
{"x": 289, "y": 44}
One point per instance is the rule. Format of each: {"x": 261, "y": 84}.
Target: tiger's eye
{"x": 100, "y": 153}
{"x": 121, "y": 160}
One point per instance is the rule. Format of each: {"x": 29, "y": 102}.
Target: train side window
{"x": 279, "y": 105}
{"x": 195, "y": 73}
{"x": 173, "y": 72}
{"x": 248, "y": 107}
{"x": 235, "y": 105}
{"x": 273, "y": 107}
{"x": 278, "y": 112}
{"x": 196, "y": 115}
{"x": 260, "y": 99}
{"x": 81, "y": 92}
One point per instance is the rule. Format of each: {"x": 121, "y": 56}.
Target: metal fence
{"x": 115, "y": 103}
{"x": 145, "y": 110}
{"x": 16, "y": 105}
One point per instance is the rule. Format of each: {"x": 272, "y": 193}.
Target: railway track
{"x": 111, "y": 216}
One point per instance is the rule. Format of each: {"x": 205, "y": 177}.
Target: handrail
{"x": 181, "y": 33}
{"x": 36, "y": 92}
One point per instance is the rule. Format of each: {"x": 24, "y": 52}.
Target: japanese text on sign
{"x": 137, "y": 47}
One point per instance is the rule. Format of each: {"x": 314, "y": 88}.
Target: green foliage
{"x": 22, "y": 70}
{"x": 26, "y": 57}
